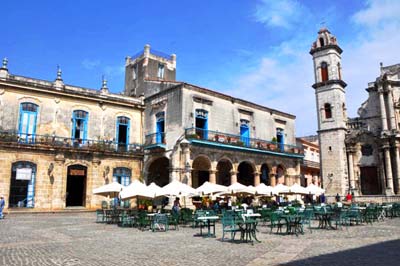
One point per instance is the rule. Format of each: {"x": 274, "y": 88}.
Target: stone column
{"x": 392, "y": 117}
{"x": 187, "y": 170}
{"x": 383, "y": 110}
{"x": 213, "y": 176}
{"x": 351, "y": 169}
{"x": 389, "y": 176}
{"x": 256, "y": 178}
{"x": 272, "y": 179}
{"x": 397, "y": 188}
{"x": 233, "y": 177}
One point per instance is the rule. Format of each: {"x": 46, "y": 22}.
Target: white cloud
{"x": 283, "y": 77}
{"x": 283, "y": 13}
{"x": 378, "y": 12}
{"x": 90, "y": 64}
{"x": 377, "y": 41}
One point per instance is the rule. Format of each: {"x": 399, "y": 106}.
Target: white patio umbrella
{"x": 210, "y": 188}
{"x": 314, "y": 190}
{"x": 154, "y": 190}
{"x": 176, "y": 188}
{"x": 280, "y": 189}
{"x": 135, "y": 189}
{"x": 112, "y": 190}
{"x": 297, "y": 189}
{"x": 263, "y": 189}
{"x": 238, "y": 188}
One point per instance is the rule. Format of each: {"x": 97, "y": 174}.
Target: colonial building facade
{"x": 194, "y": 134}
{"x": 358, "y": 155}
{"x": 58, "y": 142}
{"x": 309, "y": 168}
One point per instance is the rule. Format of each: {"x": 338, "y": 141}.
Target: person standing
{"x": 337, "y": 197}
{"x": 2, "y": 204}
{"x": 177, "y": 205}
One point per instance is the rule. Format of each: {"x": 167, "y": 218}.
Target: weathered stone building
{"x": 358, "y": 155}
{"x": 309, "y": 168}
{"x": 194, "y": 134}
{"x": 58, "y": 142}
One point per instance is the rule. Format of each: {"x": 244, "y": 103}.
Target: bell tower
{"x": 331, "y": 112}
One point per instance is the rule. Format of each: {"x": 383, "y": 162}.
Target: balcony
{"x": 47, "y": 142}
{"x": 230, "y": 141}
{"x": 155, "y": 140}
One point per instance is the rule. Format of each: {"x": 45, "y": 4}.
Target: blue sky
{"x": 255, "y": 50}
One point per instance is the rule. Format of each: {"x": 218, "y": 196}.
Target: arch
{"x": 158, "y": 171}
{"x": 328, "y": 110}
{"x": 245, "y": 173}
{"x": 324, "y": 71}
{"x": 321, "y": 41}
{"x": 200, "y": 170}
{"x": 280, "y": 174}
{"x": 224, "y": 168}
{"x": 22, "y": 185}
{"x": 76, "y": 185}
{"x": 264, "y": 175}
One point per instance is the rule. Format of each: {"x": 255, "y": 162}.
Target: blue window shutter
{"x": 30, "y": 197}
{"x": 117, "y": 132}
{"x": 128, "y": 130}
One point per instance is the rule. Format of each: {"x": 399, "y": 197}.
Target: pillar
{"x": 213, "y": 176}
{"x": 233, "y": 177}
{"x": 272, "y": 179}
{"x": 392, "y": 118}
{"x": 397, "y": 188}
{"x": 383, "y": 110}
{"x": 389, "y": 176}
{"x": 256, "y": 178}
{"x": 351, "y": 170}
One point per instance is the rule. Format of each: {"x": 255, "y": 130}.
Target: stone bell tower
{"x": 331, "y": 109}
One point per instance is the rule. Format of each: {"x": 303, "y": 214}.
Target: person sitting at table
{"x": 177, "y": 206}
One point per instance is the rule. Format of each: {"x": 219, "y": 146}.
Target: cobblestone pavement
{"x": 75, "y": 239}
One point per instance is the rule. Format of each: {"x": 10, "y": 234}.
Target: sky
{"x": 257, "y": 50}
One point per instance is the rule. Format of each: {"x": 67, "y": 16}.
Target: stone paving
{"x": 75, "y": 239}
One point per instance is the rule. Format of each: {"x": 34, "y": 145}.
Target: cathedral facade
{"x": 358, "y": 155}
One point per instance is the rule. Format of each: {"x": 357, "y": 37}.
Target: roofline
{"x": 222, "y": 95}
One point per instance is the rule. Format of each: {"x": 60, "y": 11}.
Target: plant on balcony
{"x": 239, "y": 143}
{"x": 192, "y": 136}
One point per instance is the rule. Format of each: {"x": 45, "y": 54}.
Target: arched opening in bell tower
{"x": 324, "y": 71}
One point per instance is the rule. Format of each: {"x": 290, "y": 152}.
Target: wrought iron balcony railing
{"x": 68, "y": 143}
{"x": 240, "y": 141}
{"x": 154, "y": 139}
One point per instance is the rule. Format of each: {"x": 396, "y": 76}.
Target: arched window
{"x": 328, "y": 110}
{"x": 324, "y": 71}
{"x": 27, "y": 122}
{"x": 321, "y": 41}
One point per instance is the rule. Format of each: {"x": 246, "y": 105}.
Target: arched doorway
{"x": 280, "y": 175}
{"x": 264, "y": 177}
{"x": 245, "y": 174}
{"x": 200, "y": 173}
{"x": 76, "y": 185}
{"x": 224, "y": 168}
{"x": 158, "y": 172}
{"x": 22, "y": 186}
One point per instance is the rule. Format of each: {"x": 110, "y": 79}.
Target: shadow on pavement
{"x": 384, "y": 253}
